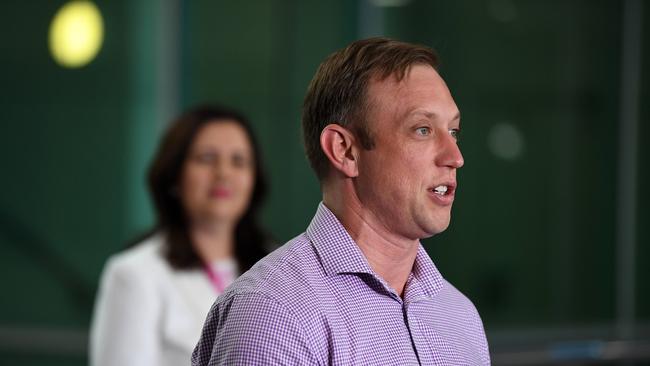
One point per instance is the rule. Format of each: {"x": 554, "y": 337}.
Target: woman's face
{"x": 218, "y": 174}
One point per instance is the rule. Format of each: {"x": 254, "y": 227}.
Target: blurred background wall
{"x": 551, "y": 224}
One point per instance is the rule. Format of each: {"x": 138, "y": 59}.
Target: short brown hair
{"x": 337, "y": 93}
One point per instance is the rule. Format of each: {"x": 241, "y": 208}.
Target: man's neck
{"x": 388, "y": 254}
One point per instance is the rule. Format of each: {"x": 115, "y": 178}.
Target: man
{"x": 357, "y": 288}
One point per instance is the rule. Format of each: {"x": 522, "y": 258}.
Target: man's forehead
{"x": 425, "y": 95}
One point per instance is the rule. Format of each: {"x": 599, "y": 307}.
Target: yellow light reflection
{"x": 76, "y": 34}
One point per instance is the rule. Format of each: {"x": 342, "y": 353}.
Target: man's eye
{"x": 423, "y": 131}
{"x": 455, "y": 133}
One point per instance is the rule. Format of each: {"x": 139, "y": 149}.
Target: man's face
{"x": 408, "y": 179}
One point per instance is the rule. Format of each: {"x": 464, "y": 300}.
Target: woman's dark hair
{"x": 165, "y": 173}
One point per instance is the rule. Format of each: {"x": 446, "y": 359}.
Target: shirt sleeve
{"x": 252, "y": 329}
{"x": 125, "y": 323}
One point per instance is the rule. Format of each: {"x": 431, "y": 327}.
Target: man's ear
{"x": 339, "y": 145}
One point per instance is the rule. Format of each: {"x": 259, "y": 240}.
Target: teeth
{"x": 440, "y": 189}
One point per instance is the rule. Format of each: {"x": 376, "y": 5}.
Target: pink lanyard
{"x": 215, "y": 278}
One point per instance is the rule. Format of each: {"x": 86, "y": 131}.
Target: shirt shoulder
{"x": 266, "y": 315}
{"x": 290, "y": 271}
{"x": 252, "y": 329}
{"x": 143, "y": 262}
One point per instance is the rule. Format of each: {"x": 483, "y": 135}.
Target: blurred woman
{"x": 207, "y": 185}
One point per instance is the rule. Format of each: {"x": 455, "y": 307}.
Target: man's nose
{"x": 449, "y": 154}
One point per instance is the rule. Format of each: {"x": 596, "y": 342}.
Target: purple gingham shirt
{"x": 316, "y": 301}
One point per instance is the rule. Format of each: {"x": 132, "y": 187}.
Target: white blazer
{"x": 146, "y": 312}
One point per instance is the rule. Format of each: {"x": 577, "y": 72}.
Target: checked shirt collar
{"x": 339, "y": 254}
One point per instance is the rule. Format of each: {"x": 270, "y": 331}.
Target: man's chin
{"x": 436, "y": 227}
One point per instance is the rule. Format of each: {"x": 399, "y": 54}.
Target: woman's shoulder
{"x": 145, "y": 256}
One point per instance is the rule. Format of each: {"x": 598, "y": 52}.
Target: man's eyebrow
{"x": 432, "y": 115}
